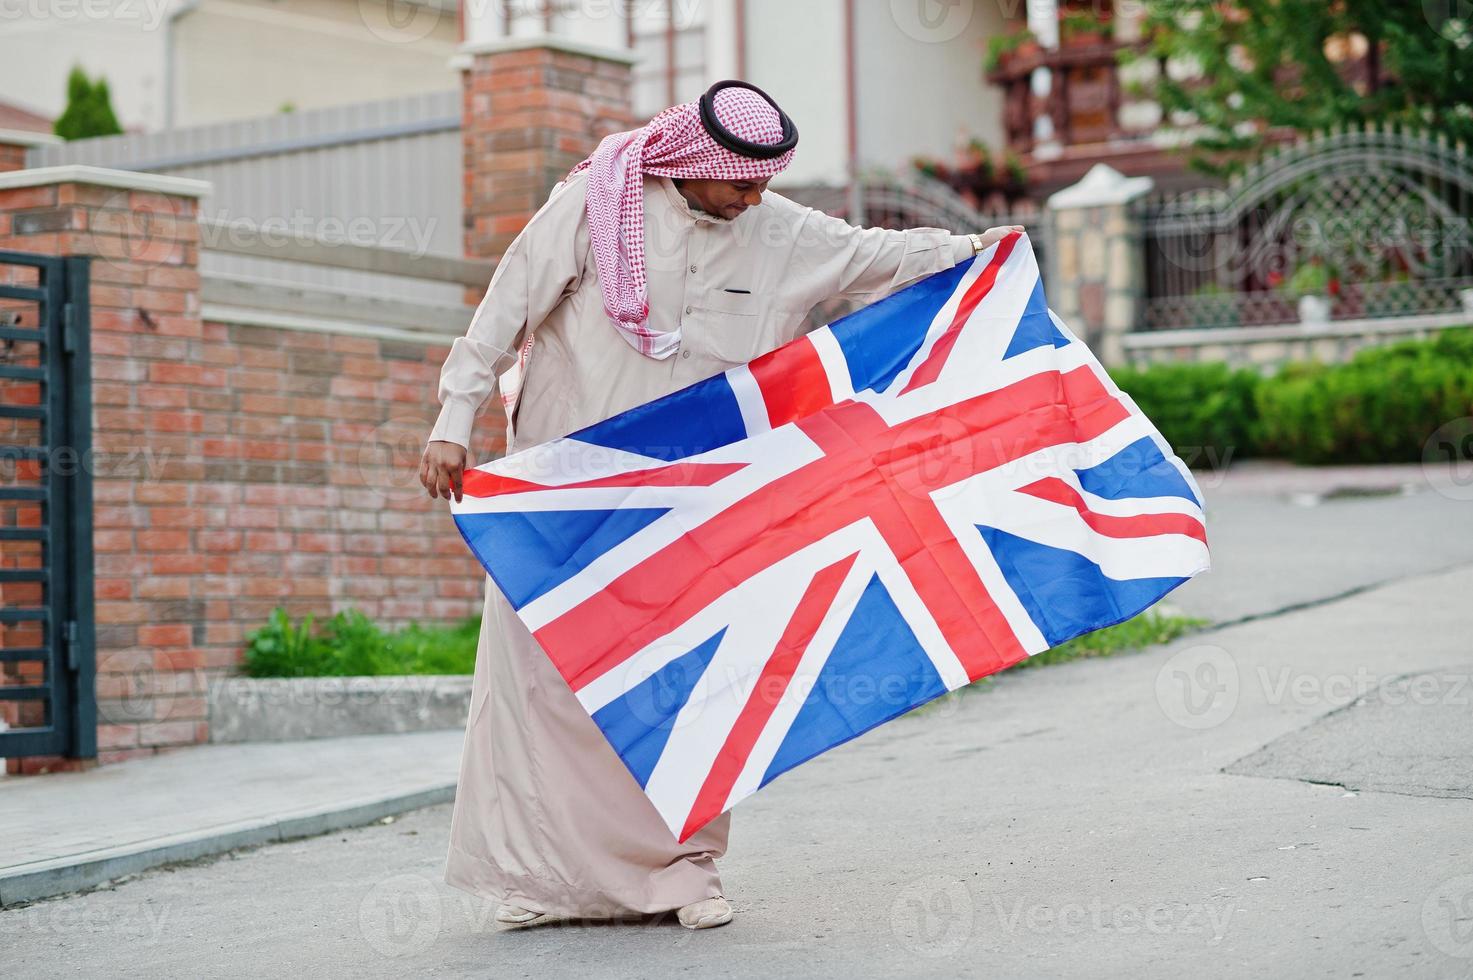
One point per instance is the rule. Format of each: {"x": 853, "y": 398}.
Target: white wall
{"x": 920, "y": 80}
{"x": 41, "y": 41}
{"x": 795, "y": 52}
{"x": 245, "y": 58}
{"x": 235, "y": 58}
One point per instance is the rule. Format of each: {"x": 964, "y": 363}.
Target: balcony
{"x": 1092, "y": 118}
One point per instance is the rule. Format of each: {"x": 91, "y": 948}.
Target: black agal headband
{"x": 733, "y": 142}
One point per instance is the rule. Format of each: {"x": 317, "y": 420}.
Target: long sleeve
{"x": 542, "y": 266}
{"x": 865, "y": 263}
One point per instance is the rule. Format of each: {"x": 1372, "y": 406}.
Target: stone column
{"x": 534, "y": 107}
{"x": 141, "y": 230}
{"x": 1096, "y": 260}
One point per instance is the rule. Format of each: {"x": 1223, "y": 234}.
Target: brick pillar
{"x": 530, "y": 114}
{"x": 1096, "y": 260}
{"x": 142, "y": 232}
{"x": 14, "y": 144}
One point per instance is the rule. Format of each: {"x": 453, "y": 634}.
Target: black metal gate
{"x": 47, "y": 696}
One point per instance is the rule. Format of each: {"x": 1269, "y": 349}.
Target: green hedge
{"x": 350, "y": 645}
{"x": 1206, "y": 411}
{"x": 1379, "y": 407}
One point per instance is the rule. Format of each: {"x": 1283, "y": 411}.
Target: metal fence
{"x": 384, "y": 175}
{"x": 47, "y": 659}
{"x": 1353, "y": 224}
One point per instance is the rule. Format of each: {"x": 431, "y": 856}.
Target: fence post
{"x": 142, "y": 234}
{"x": 15, "y": 143}
{"x": 1096, "y": 259}
{"x": 533, "y": 109}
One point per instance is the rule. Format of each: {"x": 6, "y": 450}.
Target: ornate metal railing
{"x": 1365, "y": 222}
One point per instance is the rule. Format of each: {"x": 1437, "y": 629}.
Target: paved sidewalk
{"x": 72, "y": 830}
{"x": 1284, "y": 536}
{"x": 1085, "y": 820}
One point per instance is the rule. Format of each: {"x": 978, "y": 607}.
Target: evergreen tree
{"x": 89, "y": 110}
{"x": 1268, "y": 64}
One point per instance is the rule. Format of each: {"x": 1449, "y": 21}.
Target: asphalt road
{"x": 1168, "y": 813}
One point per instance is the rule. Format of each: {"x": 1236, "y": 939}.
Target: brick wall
{"x": 237, "y": 469}
{"x": 12, "y": 156}
{"x": 247, "y": 468}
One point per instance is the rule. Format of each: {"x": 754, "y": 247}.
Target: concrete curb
{"x": 43, "y": 879}
{"x": 286, "y": 709}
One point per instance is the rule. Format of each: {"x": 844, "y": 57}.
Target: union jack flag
{"x": 770, "y": 562}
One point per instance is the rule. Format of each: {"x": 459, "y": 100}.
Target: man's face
{"x": 727, "y": 198}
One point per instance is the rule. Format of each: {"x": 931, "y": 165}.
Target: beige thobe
{"x": 546, "y": 816}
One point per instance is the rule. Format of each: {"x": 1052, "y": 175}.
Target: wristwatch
{"x": 977, "y": 245}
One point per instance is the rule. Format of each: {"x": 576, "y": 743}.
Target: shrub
{"x": 1379, "y": 407}
{"x": 1206, "y": 411}
{"x": 352, "y": 645}
{"x": 89, "y": 110}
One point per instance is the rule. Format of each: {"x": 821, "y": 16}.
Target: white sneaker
{"x": 705, "y": 914}
{"x": 516, "y": 914}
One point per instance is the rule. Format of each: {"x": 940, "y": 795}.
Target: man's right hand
{"x": 442, "y": 469}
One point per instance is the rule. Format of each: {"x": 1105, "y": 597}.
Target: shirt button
{"x": 692, "y": 268}
{"x": 688, "y": 310}
{"x": 685, "y": 353}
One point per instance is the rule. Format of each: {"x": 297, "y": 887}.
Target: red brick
{"x": 158, "y": 733}
{"x": 21, "y": 198}
{"x": 170, "y": 635}
{"x": 191, "y": 659}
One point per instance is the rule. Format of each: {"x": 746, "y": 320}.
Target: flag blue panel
{"x": 696, "y": 419}
{"x": 638, "y": 724}
{"x": 1035, "y": 328}
{"x": 531, "y": 552}
{"x": 1064, "y": 592}
{"x": 877, "y": 671}
{"x": 880, "y": 340}
{"x": 1138, "y": 470}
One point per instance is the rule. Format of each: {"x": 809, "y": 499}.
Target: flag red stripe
{"x": 793, "y": 382}
{"x": 930, "y": 368}
{"x": 479, "y": 483}
{"x": 1143, "y": 526}
{"x": 771, "y": 685}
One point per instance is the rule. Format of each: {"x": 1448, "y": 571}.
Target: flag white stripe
{"x": 749, "y": 400}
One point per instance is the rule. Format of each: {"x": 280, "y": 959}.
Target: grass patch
{"x": 351, "y": 645}
{"x": 1147, "y": 629}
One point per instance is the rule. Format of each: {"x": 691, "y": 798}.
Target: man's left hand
{"x": 992, "y": 236}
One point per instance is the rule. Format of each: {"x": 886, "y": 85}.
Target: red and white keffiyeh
{"x": 674, "y": 144}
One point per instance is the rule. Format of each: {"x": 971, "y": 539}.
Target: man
{"x": 659, "y": 261}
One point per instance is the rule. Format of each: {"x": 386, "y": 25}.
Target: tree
{"x": 1308, "y": 65}
{"x": 89, "y": 110}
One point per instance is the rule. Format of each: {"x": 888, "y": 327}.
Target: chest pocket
{"x": 730, "y": 327}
